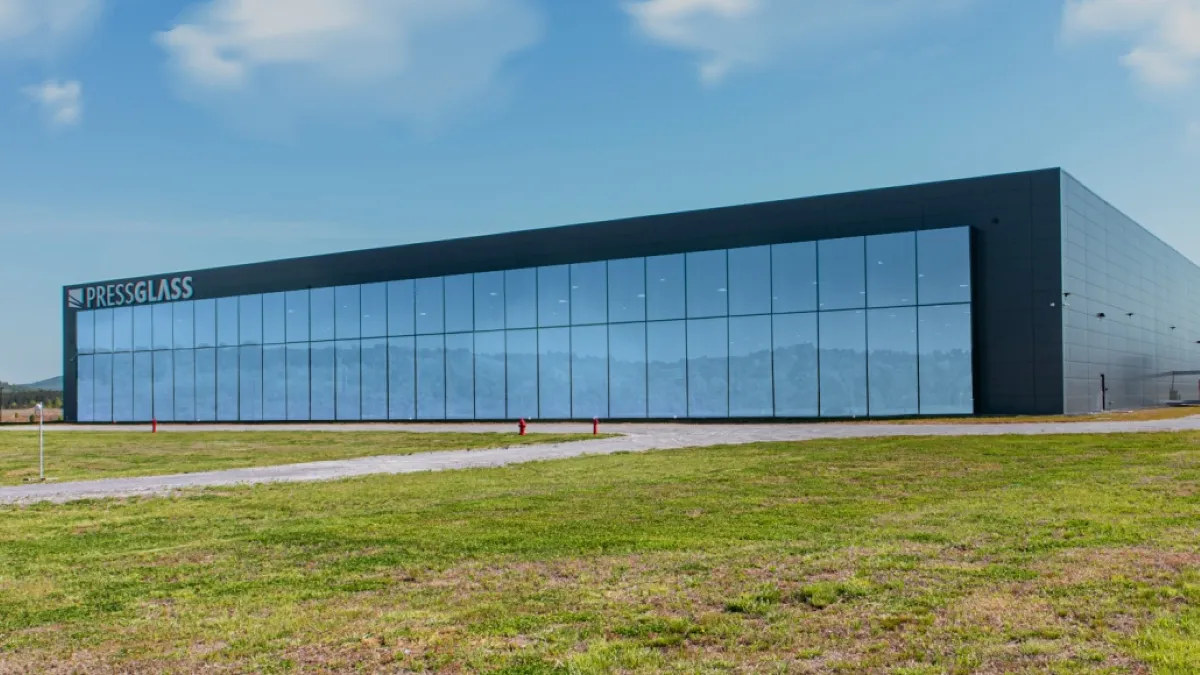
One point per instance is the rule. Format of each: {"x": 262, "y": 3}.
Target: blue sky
{"x": 141, "y": 136}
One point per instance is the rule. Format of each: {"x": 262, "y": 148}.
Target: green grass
{"x": 84, "y": 455}
{"x": 951, "y": 555}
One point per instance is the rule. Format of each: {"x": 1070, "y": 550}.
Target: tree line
{"x": 12, "y": 398}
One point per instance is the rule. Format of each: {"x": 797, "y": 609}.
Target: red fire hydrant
{"x": 521, "y": 425}
{"x": 595, "y": 426}
{"x": 154, "y": 426}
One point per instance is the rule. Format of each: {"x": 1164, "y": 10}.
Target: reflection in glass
{"x": 274, "y": 319}
{"x": 85, "y": 332}
{"x": 750, "y": 392}
{"x": 664, "y": 288}
{"x": 892, "y": 361}
{"x": 402, "y": 379}
{"x": 554, "y": 373}
{"x": 460, "y": 303}
{"x": 227, "y": 322}
{"x": 589, "y": 293}
{"x": 349, "y": 378}
{"x": 795, "y": 367}
{"x": 143, "y": 328}
{"x": 708, "y": 368}
{"x": 431, "y": 376}
{"x": 322, "y": 403}
{"x": 374, "y": 304}
{"x": 666, "y": 352}
{"x": 297, "y": 382}
{"x": 892, "y": 270}
{"x": 250, "y": 393}
{"x": 205, "y": 322}
{"x": 489, "y": 374}
{"x": 143, "y": 386}
{"x": 707, "y": 284}
{"x": 401, "y": 308}
{"x": 374, "y": 379}
{"x": 227, "y": 382}
{"x": 102, "y": 388}
{"x": 122, "y": 377}
{"x": 520, "y": 298}
{"x": 185, "y": 385}
{"x": 321, "y": 311}
{"x": 297, "y": 316}
{"x": 947, "y": 382}
{"x": 750, "y": 280}
{"x": 554, "y": 296}
{"x": 794, "y": 277}
{"x": 944, "y": 266}
{"x": 842, "y": 273}
{"x": 460, "y": 375}
{"x": 85, "y": 373}
{"x": 431, "y": 312}
{"x": 843, "y": 364}
{"x": 184, "y": 329}
{"x": 164, "y": 321}
{"x": 250, "y": 315}
{"x": 275, "y": 380}
{"x": 589, "y": 372}
{"x": 347, "y": 313}
{"x": 104, "y": 331}
{"x": 123, "y": 329}
{"x": 627, "y": 290}
{"x": 164, "y": 386}
{"x": 522, "y": 373}
{"x": 627, "y": 370}
{"x": 489, "y": 301}
{"x": 206, "y": 385}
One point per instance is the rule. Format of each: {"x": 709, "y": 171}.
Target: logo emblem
{"x": 75, "y": 298}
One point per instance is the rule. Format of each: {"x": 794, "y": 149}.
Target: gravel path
{"x": 633, "y": 438}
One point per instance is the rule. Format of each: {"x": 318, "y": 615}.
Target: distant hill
{"x": 52, "y": 384}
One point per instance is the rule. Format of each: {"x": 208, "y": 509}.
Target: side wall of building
{"x": 1131, "y": 309}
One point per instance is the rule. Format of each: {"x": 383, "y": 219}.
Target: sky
{"x": 149, "y": 136}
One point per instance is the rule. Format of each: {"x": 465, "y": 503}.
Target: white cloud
{"x": 728, "y": 35}
{"x": 62, "y": 102}
{"x": 270, "y": 63}
{"x": 39, "y": 27}
{"x": 1164, "y": 35}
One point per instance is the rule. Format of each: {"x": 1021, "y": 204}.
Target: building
{"x": 1018, "y": 293}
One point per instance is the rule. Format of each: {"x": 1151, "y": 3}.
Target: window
{"x": 708, "y": 368}
{"x": 85, "y": 332}
{"x": 554, "y": 373}
{"x": 554, "y": 296}
{"x": 489, "y": 375}
{"x": 274, "y": 318}
{"x": 489, "y": 301}
{"x": 843, "y": 364}
{"x": 794, "y": 277}
{"x": 750, "y": 367}
{"x": 250, "y": 318}
{"x": 347, "y": 313}
{"x": 707, "y": 284}
{"x": 947, "y": 384}
{"x": 401, "y": 308}
{"x": 666, "y": 355}
{"x": 892, "y": 270}
{"x": 892, "y": 372}
{"x": 431, "y": 377}
{"x": 665, "y": 298}
{"x": 589, "y": 372}
{"x": 460, "y": 303}
{"x": 627, "y": 290}
{"x": 184, "y": 329}
{"x": 460, "y": 376}
{"x": 349, "y": 379}
{"x": 375, "y": 379}
{"x": 297, "y": 316}
{"x": 797, "y": 389}
{"x": 589, "y": 293}
{"x": 374, "y": 304}
{"x": 842, "y": 283}
{"x": 750, "y": 281}
{"x": 944, "y": 266}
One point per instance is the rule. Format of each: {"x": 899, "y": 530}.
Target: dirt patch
{"x": 1101, "y": 565}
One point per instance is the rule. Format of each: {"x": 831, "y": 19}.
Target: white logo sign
{"x": 130, "y": 293}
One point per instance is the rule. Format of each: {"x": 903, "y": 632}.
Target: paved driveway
{"x": 633, "y": 438}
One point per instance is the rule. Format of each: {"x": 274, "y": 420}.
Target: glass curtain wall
{"x": 853, "y": 327}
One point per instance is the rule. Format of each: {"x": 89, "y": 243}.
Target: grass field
{"x": 908, "y": 556}
{"x": 1147, "y": 415}
{"x": 82, "y": 455}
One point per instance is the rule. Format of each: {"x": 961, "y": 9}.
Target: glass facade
{"x": 849, "y": 327}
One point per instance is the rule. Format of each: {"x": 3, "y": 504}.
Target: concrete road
{"x": 633, "y": 438}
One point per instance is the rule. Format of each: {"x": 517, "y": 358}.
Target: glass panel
{"x": 297, "y": 317}
{"x": 123, "y": 330}
{"x": 349, "y": 378}
{"x": 666, "y": 351}
{"x": 664, "y": 289}
{"x": 795, "y": 365}
{"x": 143, "y": 386}
{"x": 750, "y": 280}
{"x": 892, "y": 270}
{"x": 589, "y": 293}
{"x": 843, "y": 279}
{"x": 250, "y": 317}
{"x": 185, "y": 385}
{"x": 251, "y": 392}
{"x": 85, "y": 378}
{"x": 102, "y": 388}
{"x": 321, "y": 382}
{"x": 122, "y": 405}
{"x": 892, "y": 361}
{"x": 164, "y": 386}
{"x": 708, "y": 368}
{"x": 374, "y": 378}
{"x": 348, "y": 313}
{"x": 554, "y": 296}
{"x": 143, "y": 329}
{"x": 489, "y": 301}
{"x": 275, "y": 389}
{"x": 184, "y": 329}
{"x": 274, "y": 319}
{"x": 520, "y": 298}
{"x": 85, "y": 333}
{"x": 794, "y": 277}
{"x": 205, "y": 312}
{"x": 627, "y": 290}
{"x": 402, "y": 379}
{"x": 206, "y": 385}
{"x": 707, "y": 284}
{"x": 843, "y": 364}
{"x": 750, "y": 392}
{"x": 460, "y": 376}
{"x": 460, "y": 304}
{"x": 374, "y": 304}
{"x": 104, "y": 330}
{"x": 489, "y": 375}
{"x": 297, "y": 382}
{"x": 947, "y": 382}
{"x": 522, "y": 372}
{"x": 944, "y": 266}
{"x": 321, "y": 305}
{"x": 627, "y": 370}
{"x": 227, "y": 322}
{"x": 589, "y": 372}
{"x": 431, "y": 313}
{"x": 227, "y": 381}
{"x": 554, "y": 373}
{"x": 401, "y": 309}
{"x": 431, "y": 376}
{"x": 164, "y": 321}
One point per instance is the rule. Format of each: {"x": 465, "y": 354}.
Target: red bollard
{"x": 595, "y": 426}
{"x": 154, "y": 426}
{"x": 521, "y": 425}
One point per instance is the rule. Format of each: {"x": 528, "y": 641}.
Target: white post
{"x": 41, "y": 442}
